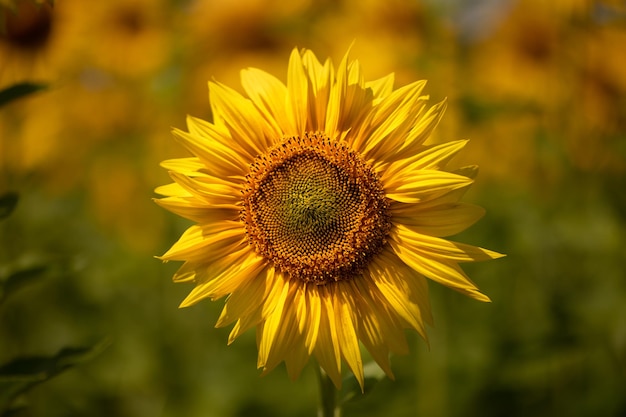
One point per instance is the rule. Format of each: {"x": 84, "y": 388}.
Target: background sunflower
{"x": 537, "y": 87}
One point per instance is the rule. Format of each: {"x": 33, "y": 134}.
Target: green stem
{"x": 328, "y": 406}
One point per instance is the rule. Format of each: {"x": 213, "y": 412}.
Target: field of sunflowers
{"x": 89, "y": 95}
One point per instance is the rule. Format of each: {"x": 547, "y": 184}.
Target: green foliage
{"x": 20, "y": 279}
{"x": 17, "y": 91}
{"x": 8, "y": 202}
{"x": 23, "y": 373}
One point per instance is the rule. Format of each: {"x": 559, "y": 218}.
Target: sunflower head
{"x": 320, "y": 212}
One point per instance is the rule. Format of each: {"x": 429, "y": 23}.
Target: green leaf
{"x": 19, "y": 90}
{"x": 372, "y": 375}
{"x": 20, "y": 279}
{"x": 15, "y": 411}
{"x": 8, "y": 202}
{"x": 21, "y": 374}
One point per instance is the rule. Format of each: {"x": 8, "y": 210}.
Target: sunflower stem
{"x": 328, "y": 406}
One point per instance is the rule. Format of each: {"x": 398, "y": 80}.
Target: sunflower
{"x": 130, "y": 37}
{"x": 39, "y": 40}
{"x": 319, "y": 210}
{"x": 26, "y": 30}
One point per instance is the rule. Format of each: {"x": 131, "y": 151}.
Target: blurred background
{"x": 89, "y": 323}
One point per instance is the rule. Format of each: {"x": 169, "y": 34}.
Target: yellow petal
{"x": 296, "y": 358}
{"x": 372, "y": 335}
{"x": 226, "y": 276}
{"x": 427, "y": 123}
{"x": 379, "y": 332}
{"x": 172, "y": 190}
{"x": 197, "y": 210}
{"x": 200, "y": 242}
{"x": 250, "y": 132}
{"x": 249, "y": 265}
{"x": 336, "y": 99}
{"x": 327, "y": 350}
{"x": 271, "y": 324}
{"x": 411, "y": 283}
{"x": 269, "y": 95}
{"x": 245, "y": 301}
{"x": 357, "y": 99}
{"x": 431, "y": 158}
{"x": 422, "y": 185}
{"x": 441, "y": 220}
{"x": 387, "y": 125}
{"x": 297, "y": 94}
{"x": 244, "y": 324}
{"x": 381, "y": 87}
{"x": 219, "y": 159}
{"x": 320, "y": 81}
{"x": 348, "y": 340}
{"x": 216, "y": 142}
{"x": 212, "y": 190}
{"x": 298, "y": 354}
{"x": 435, "y": 247}
{"x": 385, "y": 278}
{"x": 187, "y": 272}
{"x": 276, "y": 282}
{"x": 314, "y": 314}
{"x": 289, "y": 345}
{"x": 470, "y": 171}
{"x": 186, "y": 166}
{"x": 442, "y": 271}
{"x": 385, "y": 325}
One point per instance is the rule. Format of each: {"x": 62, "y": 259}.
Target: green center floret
{"x": 310, "y": 204}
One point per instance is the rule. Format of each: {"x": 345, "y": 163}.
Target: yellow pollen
{"x": 315, "y": 209}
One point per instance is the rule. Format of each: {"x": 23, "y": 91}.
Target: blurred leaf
{"x": 15, "y": 411}
{"x": 19, "y": 90}
{"x": 8, "y": 202}
{"x": 20, "y": 279}
{"x": 21, "y": 374}
{"x": 479, "y": 110}
{"x": 351, "y": 390}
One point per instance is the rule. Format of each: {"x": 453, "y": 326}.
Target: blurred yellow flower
{"x": 128, "y": 38}
{"x": 26, "y": 32}
{"x": 37, "y": 41}
{"x": 320, "y": 211}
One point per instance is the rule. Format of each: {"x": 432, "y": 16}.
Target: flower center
{"x": 315, "y": 209}
{"x": 29, "y": 27}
